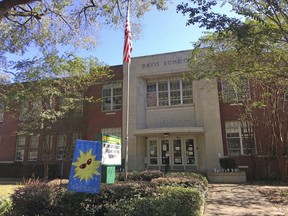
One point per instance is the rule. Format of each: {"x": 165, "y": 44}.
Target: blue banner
{"x": 85, "y": 173}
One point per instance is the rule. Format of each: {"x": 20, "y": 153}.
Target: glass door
{"x": 190, "y": 153}
{"x": 153, "y": 153}
{"x": 177, "y": 152}
{"x": 165, "y": 155}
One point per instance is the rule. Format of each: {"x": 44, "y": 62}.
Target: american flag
{"x": 127, "y": 41}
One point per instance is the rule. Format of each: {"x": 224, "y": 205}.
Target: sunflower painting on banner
{"x": 85, "y": 173}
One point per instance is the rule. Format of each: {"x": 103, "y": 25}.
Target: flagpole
{"x": 127, "y": 120}
{"x": 127, "y": 52}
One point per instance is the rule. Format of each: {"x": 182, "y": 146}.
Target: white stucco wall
{"x": 203, "y": 113}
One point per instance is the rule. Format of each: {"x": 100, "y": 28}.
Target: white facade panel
{"x": 194, "y": 128}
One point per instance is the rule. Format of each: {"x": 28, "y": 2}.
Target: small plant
{"x": 5, "y": 205}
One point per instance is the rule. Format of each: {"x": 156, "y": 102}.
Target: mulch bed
{"x": 275, "y": 195}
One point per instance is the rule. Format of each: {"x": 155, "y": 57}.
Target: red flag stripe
{"x": 127, "y": 41}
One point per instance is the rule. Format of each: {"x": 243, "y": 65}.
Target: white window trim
{"x": 111, "y": 87}
{"x": 30, "y": 141}
{"x": 238, "y": 98}
{"x": 239, "y": 130}
{"x": 169, "y": 92}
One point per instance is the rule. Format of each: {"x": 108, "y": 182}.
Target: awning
{"x": 170, "y": 131}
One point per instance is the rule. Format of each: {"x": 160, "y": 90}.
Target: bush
{"x": 172, "y": 201}
{"x": 32, "y": 199}
{"x": 146, "y": 175}
{"x": 42, "y": 198}
{"x": 5, "y": 205}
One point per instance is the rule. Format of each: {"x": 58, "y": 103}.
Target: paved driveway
{"x": 240, "y": 200}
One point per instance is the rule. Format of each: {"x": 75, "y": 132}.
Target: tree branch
{"x": 7, "y": 5}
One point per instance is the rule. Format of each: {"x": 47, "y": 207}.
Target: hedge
{"x": 184, "y": 193}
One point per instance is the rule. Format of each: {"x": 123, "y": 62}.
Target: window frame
{"x": 34, "y": 149}
{"x": 170, "y": 96}
{"x": 1, "y": 112}
{"x": 113, "y": 97}
{"x": 61, "y": 147}
{"x": 20, "y": 148}
{"x": 238, "y": 133}
{"x": 232, "y": 95}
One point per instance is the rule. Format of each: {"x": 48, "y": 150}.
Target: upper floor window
{"x": 232, "y": 92}
{"x": 1, "y": 112}
{"x": 73, "y": 104}
{"x": 112, "y": 97}
{"x": 23, "y": 113}
{"x": 169, "y": 92}
{"x": 240, "y": 137}
{"x": 20, "y": 148}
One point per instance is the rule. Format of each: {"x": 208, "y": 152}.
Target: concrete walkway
{"x": 240, "y": 200}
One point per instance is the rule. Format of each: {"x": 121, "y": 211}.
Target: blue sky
{"x": 162, "y": 31}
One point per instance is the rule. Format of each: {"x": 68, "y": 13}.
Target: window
{"x": 73, "y": 140}
{"x": 112, "y": 131}
{"x": 20, "y": 148}
{"x": 23, "y": 110}
{"x": 240, "y": 137}
{"x": 153, "y": 153}
{"x": 190, "y": 154}
{"x": 1, "y": 112}
{"x": 235, "y": 92}
{"x": 33, "y": 148}
{"x": 112, "y": 97}
{"x": 72, "y": 104}
{"x": 47, "y": 147}
{"x": 169, "y": 92}
{"x": 61, "y": 147}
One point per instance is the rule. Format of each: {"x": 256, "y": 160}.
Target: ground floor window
{"x": 61, "y": 146}
{"x": 33, "y": 148}
{"x": 47, "y": 143}
{"x": 112, "y": 131}
{"x": 74, "y": 137}
{"x": 20, "y": 148}
{"x": 171, "y": 151}
{"x": 240, "y": 137}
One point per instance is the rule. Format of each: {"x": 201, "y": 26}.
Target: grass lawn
{"x": 7, "y": 189}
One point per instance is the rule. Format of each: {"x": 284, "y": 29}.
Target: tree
{"x": 48, "y": 94}
{"x": 253, "y": 50}
{"x": 47, "y": 24}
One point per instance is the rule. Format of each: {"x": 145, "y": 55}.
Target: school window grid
{"x": 1, "y": 112}
{"x": 112, "y": 97}
{"x": 33, "y": 148}
{"x": 235, "y": 93}
{"x": 20, "y": 148}
{"x": 240, "y": 137}
{"x": 61, "y": 147}
{"x": 47, "y": 147}
{"x": 169, "y": 92}
{"x": 112, "y": 131}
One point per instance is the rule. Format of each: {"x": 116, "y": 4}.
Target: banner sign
{"x": 85, "y": 173}
{"x": 111, "y": 150}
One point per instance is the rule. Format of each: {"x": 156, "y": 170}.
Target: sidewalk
{"x": 240, "y": 200}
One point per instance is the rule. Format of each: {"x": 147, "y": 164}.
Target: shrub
{"x": 146, "y": 175}
{"x": 172, "y": 201}
{"x": 32, "y": 199}
{"x": 5, "y": 205}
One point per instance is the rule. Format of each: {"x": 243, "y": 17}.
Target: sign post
{"x": 111, "y": 156}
